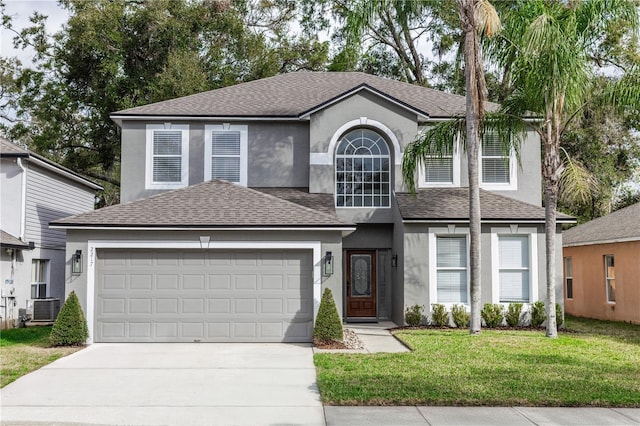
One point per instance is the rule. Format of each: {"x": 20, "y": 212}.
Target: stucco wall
{"x": 278, "y": 155}
{"x": 589, "y": 286}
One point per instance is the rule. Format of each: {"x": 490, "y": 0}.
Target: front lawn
{"x": 593, "y": 364}
{"x": 23, "y": 350}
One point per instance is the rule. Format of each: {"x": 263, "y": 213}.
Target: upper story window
{"x": 497, "y": 170}
{"x": 226, "y": 153}
{"x": 362, "y": 170}
{"x": 167, "y": 156}
{"x": 441, "y": 170}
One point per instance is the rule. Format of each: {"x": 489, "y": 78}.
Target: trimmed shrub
{"x": 559, "y": 317}
{"x": 513, "y": 314}
{"x": 492, "y": 314}
{"x": 70, "y": 328}
{"x": 439, "y": 315}
{"x": 328, "y": 326}
{"x": 538, "y": 316}
{"x": 460, "y": 316}
{"x": 413, "y": 315}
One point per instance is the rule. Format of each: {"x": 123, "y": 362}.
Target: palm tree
{"x": 551, "y": 76}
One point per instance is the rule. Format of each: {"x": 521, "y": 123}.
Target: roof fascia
{"x": 420, "y": 114}
{"x": 598, "y": 242}
{"x": 203, "y": 228}
{"x": 484, "y": 221}
{"x": 119, "y": 118}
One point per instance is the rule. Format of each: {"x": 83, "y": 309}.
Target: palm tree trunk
{"x": 475, "y": 95}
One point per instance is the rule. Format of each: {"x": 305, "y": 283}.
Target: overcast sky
{"x": 20, "y": 11}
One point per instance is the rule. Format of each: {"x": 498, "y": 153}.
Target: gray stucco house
{"x": 34, "y": 191}
{"x": 239, "y": 206}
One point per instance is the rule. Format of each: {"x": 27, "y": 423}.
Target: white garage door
{"x": 204, "y": 296}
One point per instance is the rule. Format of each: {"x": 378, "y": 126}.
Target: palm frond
{"x": 577, "y": 184}
{"x": 487, "y": 17}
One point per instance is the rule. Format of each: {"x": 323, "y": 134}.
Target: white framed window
{"x": 448, "y": 265}
{"x": 442, "y": 171}
{"x": 363, "y": 175}
{"x": 39, "y": 278}
{"x": 167, "y": 156}
{"x": 568, "y": 277}
{"x": 226, "y": 152}
{"x": 610, "y": 278}
{"x": 497, "y": 170}
{"x": 514, "y": 261}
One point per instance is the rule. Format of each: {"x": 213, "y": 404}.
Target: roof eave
{"x": 335, "y": 227}
{"x": 487, "y": 220}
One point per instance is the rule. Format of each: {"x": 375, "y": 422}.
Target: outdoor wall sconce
{"x": 76, "y": 262}
{"x": 394, "y": 261}
{"x": 328, "y": 264}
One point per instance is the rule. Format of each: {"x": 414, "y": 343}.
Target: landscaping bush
{"x": 439, "y": 315}
{"x": 413, "y": 315}
{"x": 328, "y": 326}
{"x": 70, "y": 328}
{"x": 559, "y": 317}
{"x": 513, "y": 314}
{"x": 492, "y": 314}
{"x": 460, "y": 316}
{"x": 537, "y": 314}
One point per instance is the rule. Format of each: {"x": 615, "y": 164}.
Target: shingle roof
{"x": 453, "y": 204}
{"x": 9, "y": 241}
{"x": 321, "y": 202}
{"x": 209, "y": 204}
{"x": 621, "y": 225}
{"x": 9, "y": 149}
{"x": 294, "y": 94}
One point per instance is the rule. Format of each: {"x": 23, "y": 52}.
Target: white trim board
{"x": 93, "y": 245}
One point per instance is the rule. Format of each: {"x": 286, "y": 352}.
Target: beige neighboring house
{"x": 602, "y": 267}
{"x": 33, "y": 192}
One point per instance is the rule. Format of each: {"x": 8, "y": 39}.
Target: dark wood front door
{"x": 361, "y": 284}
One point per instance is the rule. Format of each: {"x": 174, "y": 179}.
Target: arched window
{"x": 362, "y": 170}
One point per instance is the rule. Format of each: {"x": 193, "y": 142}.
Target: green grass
{"x": 593, "y": 364}
{"x": 23, "y": 350}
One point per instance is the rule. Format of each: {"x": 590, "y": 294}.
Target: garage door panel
{"x": 216, "y": 296}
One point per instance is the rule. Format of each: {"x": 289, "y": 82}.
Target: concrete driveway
{"x": 179, "y": 384}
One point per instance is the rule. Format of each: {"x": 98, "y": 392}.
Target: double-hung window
{"x": 568, "y": 277}
{"x": 226, "y": 153}
{"x": 610, "y": 278}
{"x": 513, "y": 268}
{"x": 497, "y": 168}
{"x": 167, "y": 156}
{"x": 39, "y": 271}
{"x": 441, "y": 170}
{"x": 451, "y": 269}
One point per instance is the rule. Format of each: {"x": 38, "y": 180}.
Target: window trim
{"x": 244, "y": 148}
{"x": 513, "y": 173}
{"x": 335, "y": 169}
{"x": 455, "y": 159}
{"x": 184, "y": 181}
{"x": 568, "y": 277}
{"x": 514, "y": 230}
{"x": 607, "y": 278}
{"x": 450, "y": 231}
{"x": 47, "y": 265}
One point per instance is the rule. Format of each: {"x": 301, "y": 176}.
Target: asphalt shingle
{"x": 294, "y": 94}
{"x": 623, "y": 224}
{"x": 453, "y": 204}
{"x": 9, "y": 241}
{"x": 209, "y": 204}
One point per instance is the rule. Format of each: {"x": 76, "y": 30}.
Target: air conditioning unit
{"x": 45, "y": 309}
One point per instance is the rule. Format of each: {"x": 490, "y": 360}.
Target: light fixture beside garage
{"x": 328, "y": 264}
{"x": 76, "y": 262}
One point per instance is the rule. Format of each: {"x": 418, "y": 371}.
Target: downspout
{"x": 23, "y": 207}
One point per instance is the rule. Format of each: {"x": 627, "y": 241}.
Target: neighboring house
{"x": 316, "y": 200}
{"x": 602, "y": 267}
{"x": 33, "y": 192}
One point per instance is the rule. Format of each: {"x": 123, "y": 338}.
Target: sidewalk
{"x": 479, "y": 416}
